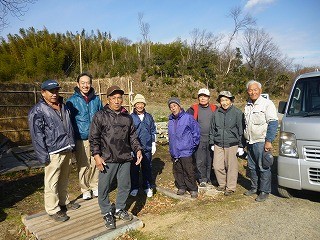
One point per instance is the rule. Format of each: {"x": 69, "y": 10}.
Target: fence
{"x": 16, "y": 103}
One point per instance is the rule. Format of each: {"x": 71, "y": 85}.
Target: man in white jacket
{"x": 261, "y": 128}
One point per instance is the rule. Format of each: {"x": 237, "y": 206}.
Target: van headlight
{"x": 288, "y": 145}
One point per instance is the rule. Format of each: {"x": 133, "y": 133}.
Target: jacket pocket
{"x": 258, "y": 118}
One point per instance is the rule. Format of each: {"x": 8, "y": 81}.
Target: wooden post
{"x": 35, "y": 94}
{"x": 99, "y": 89}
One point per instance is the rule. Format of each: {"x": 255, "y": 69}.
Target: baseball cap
{"x": 267, "y": 160}
{"x": 49, "y": 85}
{"x": 113, "y": 90}
{"x": 204, "y": 91}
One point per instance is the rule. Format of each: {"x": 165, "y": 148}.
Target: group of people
{"x": 206, "y": 136}
{"x": 107, "y": 143}
{"x": 110, "y": 143}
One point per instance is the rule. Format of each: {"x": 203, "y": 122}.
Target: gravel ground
{"x": 242, "y": 218}
{"x": 275, "y": 219}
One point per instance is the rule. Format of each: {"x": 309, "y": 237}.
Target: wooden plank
{"x": 84, "y": 223}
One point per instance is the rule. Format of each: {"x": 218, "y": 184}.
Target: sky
{"x": 294, "y": 25}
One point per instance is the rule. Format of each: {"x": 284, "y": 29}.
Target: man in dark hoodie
{"x": 83, "y": 104}
{"x": 114, "y": 143}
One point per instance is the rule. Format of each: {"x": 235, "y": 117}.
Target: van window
{"x": 305, "y": 98}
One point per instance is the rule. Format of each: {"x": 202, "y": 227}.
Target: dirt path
{"x": 240, "y": 218}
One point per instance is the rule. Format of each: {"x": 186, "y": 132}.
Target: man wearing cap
{"x": 83, "y": 104}
{"x": 112, "y": 140}
{"x": 202, "y": 112}
{"x": 261, "y": 129}
{"x": 53, "y": 141}
{"x": 184, "y": 137}
{"x": 225, "y": 136}
{"x": 146, "y": 130}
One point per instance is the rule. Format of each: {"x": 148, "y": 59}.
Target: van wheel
{"x": 284, "y": 192}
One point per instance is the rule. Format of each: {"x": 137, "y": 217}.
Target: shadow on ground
{"x": 137, "y": 203}
{"x": 17, "y": 187}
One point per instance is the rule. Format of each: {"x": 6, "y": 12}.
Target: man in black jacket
{"x": 52, "y": 139}
{"x": 112, "y": 140}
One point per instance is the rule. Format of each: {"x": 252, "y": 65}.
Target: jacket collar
{"x": 108, "y": 109}
{"x": 91, "y": 93}
{"x": 171, "y": 116}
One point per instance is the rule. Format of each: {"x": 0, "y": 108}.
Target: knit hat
{"x": 225, "y": 94}
{"x": 139, "y": 98}
{"x": 204, "y": 91}
{"x": 174, "y": 100}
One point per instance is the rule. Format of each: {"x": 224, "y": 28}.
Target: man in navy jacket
{"x": 52, "y": 138}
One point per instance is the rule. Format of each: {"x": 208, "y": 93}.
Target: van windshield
{"x": 305, "y": 100}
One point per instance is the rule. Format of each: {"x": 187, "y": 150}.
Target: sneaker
{"x": 60, "y": 216}
{"x": 262, "y": 197}
{"x": 149, "y": 192}
{"x": 73, "y": 206}
{"x": 181, "y": 191}
{"x": 134, "y": 192}
{"x": 70, "y": 206}
{"x": 194, "y": 194}
{"x": 95, "y": 193}
{"x": 228, "y": 192}
{"x": 203, "y": 184}
{"x": 250, "y": 192}
{"x": 86, "y": 195}
{"x": 109, "y": 221}
{"x": 124, "y": 215}
{"x": 221, "y": 189}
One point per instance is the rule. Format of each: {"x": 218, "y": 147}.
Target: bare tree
{"x": 258, "y": 49}
{"x": 204, "y": 40}
{"x": 240, "y": 23}
{"x": 263, "y": 56}
{"x": 145, "y": 30}
{"x": 110, "y": 42}
{"x": 126, "y": 42}
{"x": 16, "y": 8}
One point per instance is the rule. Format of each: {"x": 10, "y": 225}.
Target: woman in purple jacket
{"x": 184, "y": 137}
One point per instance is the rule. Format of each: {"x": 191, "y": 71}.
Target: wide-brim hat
{"x": 225, "y": 94}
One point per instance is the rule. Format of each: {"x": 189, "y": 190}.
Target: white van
{"x": 299, "y": 142}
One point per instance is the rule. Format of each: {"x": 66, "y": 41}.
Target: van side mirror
{"x": 282, "y": 107}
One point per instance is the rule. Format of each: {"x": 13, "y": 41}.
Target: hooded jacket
{"x": 184, "y": 134}
{"x": 82, "y": 112}
{"x": 113, "y": 136}
{"x": 50, "y": 132}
